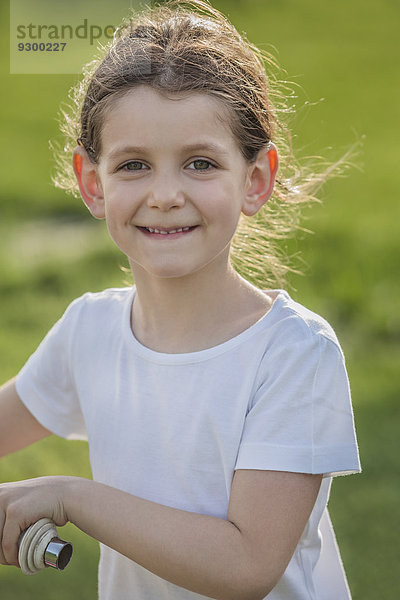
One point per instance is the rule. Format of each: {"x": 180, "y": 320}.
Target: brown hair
{"x": 191, "y": 47}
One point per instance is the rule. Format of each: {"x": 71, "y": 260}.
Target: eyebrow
{"x": 195, "y": 147}
{"x": 205, "y": 146}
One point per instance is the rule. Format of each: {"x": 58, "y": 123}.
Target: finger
{"x": 11, "y": 533}
{"x": 2, "y": 520}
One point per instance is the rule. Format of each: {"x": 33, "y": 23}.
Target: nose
{"x": 166, "y": 193}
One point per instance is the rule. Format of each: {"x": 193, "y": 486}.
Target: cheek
{"x": 118, "y": 214}
{"x": 119, "y": 201}
{"x": 224, "y": 207}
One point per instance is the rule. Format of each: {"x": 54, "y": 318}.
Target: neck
{"x": 195, "y": 312}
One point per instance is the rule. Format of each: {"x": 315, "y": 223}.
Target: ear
{"x": 261, "y": 180}
{"x": 86, "y": 173}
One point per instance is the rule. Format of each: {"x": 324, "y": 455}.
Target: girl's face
{"x": 172, "y": 182}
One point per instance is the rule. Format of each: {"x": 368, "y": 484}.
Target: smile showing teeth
{"x": 164, "y": 232}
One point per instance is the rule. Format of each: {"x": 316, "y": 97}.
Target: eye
{"x": 133, "y": 165}
{"x": 200, "y": 164}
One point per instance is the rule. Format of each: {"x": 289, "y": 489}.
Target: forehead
{"x": 146, "y": 116}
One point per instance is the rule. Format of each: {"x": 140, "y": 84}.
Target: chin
{"x": 166, "y": 271}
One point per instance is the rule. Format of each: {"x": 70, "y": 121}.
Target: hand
{"x": 23, "y": 503}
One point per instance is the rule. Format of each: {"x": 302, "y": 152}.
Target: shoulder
{"x": 297, "y": 343}
{"x": 303, "y": 365}
{"x": 98, "y": 302}
{"x": 94, "y": 311}
{"x": 107, "y": 297}
{"x": 295, "y": 324}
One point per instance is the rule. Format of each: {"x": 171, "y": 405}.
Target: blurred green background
{"x": 344, "y": 58}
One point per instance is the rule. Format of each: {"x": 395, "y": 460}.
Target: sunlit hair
{"x": 182, "y": 47}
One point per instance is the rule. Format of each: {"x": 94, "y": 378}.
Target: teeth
{"x": 163, "y": 232}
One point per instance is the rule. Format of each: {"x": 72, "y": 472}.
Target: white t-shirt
{"x": 173, "y": 428}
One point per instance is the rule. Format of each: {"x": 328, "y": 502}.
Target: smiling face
{"x": 171, "y": 182}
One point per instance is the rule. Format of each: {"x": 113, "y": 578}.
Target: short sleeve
{"x": 45, "y": 384}
{"x": 301, "y": 417}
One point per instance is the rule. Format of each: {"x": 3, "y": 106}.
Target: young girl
{"x": 216, "y": 413}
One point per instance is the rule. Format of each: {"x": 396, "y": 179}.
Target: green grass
{"x": 344, "y": 52}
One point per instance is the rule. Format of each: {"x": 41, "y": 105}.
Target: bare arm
{"x": 18, "y": 427}
{"x": 242, "y": 557}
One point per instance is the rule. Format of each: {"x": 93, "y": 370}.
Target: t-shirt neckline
{"x": 198, "y": 355}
